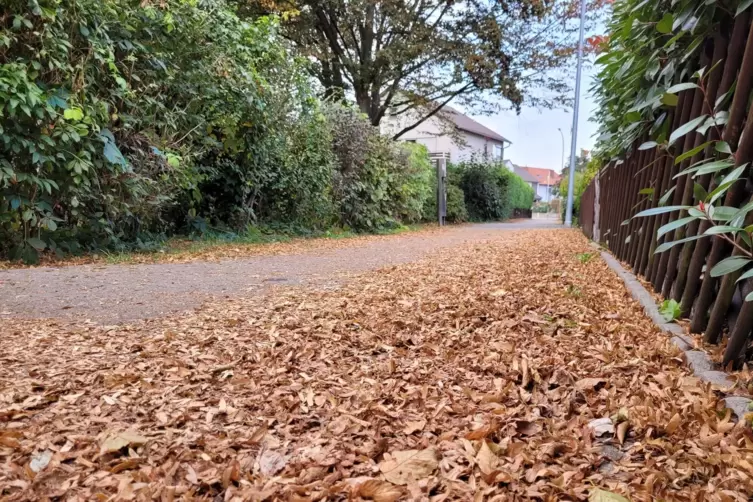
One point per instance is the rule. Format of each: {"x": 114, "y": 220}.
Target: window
{"x": 497, "y": 151}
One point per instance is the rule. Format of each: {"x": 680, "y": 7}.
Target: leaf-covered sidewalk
{"x": 470, "y": 375}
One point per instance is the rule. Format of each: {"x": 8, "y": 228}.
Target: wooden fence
{"x": 714, "y": 305}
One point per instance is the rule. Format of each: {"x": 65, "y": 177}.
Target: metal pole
{"x": 562, "y": 135}
{"x": 574, "y": 140}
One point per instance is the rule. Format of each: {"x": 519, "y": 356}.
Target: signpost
{"x": 441, "y": 190}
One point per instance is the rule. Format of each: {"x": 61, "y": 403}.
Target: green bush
{"x": 122, "y": 122}
{"x": 456, "y": 209}
{"x": 582, "y": 180}
{"x": 491, "y": 191}
{"x": 518, "y": 192}
{"x": 378, "y": 183}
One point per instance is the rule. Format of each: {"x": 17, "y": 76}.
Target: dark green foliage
{"x": 378, "y": 183}
{"x": 484, "y": 196}
{"x": 519, "y": 193}
{"x": 456, "y": 210}
{"x": 491, "y": 191}
{"x": 122, "y": 122}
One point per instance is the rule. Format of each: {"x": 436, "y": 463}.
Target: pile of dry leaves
{"x": 472, "y": 375}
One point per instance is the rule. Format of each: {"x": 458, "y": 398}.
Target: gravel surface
{"x": 120, "y": 293}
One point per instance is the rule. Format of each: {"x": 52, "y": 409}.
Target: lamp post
{"x": 562, "y": 135}
{"x": 574, "y": 139}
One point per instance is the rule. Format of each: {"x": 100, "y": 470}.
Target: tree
{"x": 411, "y": 58}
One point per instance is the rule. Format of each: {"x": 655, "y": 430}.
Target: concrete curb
{"x": 700, "y": 362}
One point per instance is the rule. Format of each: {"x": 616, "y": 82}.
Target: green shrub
{"x": 484, "y": 195}
{"x": 518, "y": 192}
{"x": 122, "y": 122}
{"x": 418, "y": 182}
{"x": 582, "y": 180}
{"x": 378, "y": 183}
{"x": 491, "y": 191}
{"x": 456, "y": 209}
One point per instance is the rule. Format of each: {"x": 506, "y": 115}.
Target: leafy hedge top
{"x": 651, "y": 47}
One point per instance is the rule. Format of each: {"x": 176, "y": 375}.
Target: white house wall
{"x": 544, "y": 191}
{"x": 431, "y": 134}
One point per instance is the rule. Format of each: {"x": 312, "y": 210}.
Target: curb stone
{"x": 700, "y": 362}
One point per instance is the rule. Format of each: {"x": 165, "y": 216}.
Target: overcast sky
{"x": 536, "y": 142}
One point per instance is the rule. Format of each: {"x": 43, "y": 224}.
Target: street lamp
{"x": 574, "y": 140}
{"x": 562, "y": 135}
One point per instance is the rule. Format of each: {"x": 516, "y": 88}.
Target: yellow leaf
{"x": 673, "y": 423}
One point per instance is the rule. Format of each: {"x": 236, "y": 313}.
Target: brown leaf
{"x": 403, "y": 467}
{"x": 411, "y": 427}
{"x": 526, "y": 428}
{"x": 599, "y": 495}
{"x": 622, "y": 428}
{"x": 9, "y": 442}
{"x": 271, "y": 462}
{"x": 116, "y": 441}
{"x": 379, "y": 491}
{"x": 673, "y": 424}
{"x": 589, "y": 383}
{"x": 486, "y": 459}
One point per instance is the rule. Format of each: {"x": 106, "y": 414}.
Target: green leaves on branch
{"x": 691, "y": 152}
{"x": 673, "y": 225}
{"x": 729, "y": 265}
{"x": 665, "y": 25}
{"x": 669, "y": 245}
{"x": 686, "y": 128}
{"x": 660, "y": 210}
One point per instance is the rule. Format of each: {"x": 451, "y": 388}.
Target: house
{"x": 452, "y": 135}
{"x": 543, "y": 181}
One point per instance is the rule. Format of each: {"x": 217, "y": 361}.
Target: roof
{"x": 465, "y": 123}
{"x": 527, "y": 177}
{"x": 541, "y": 176}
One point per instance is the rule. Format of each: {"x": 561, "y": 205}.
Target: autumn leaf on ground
{"x": 379, "y": 491}
{"x": 120, "y": 440}
{"x": 599, "y": 495}
{"x": 403, "y": 467}
{"x": 486, "y": 459}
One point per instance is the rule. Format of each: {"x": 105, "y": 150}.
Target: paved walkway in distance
{"x": 121, "y": 293}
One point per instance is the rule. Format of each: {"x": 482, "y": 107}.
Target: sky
{"x": 536, "y": 142}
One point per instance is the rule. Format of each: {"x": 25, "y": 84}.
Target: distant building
{"x": 543, "y": 181}
{"x": 450, "y": 134}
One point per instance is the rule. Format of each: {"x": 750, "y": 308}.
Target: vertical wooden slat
{"x": 668, "y": 263}
{"x": 714, "y": 72}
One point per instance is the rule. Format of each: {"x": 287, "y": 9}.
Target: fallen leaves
{"x": 598, "y": 495}
{"x": 379, "y": 491}
{"x": 116, "y": 441}
{"x": 403, "y": 467}
{"x": 468, "y": 375}
{"x": 589, "y": 383}
{"x": 486, "y": 459}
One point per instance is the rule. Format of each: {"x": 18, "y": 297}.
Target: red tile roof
{"x": 543, "y": 176}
